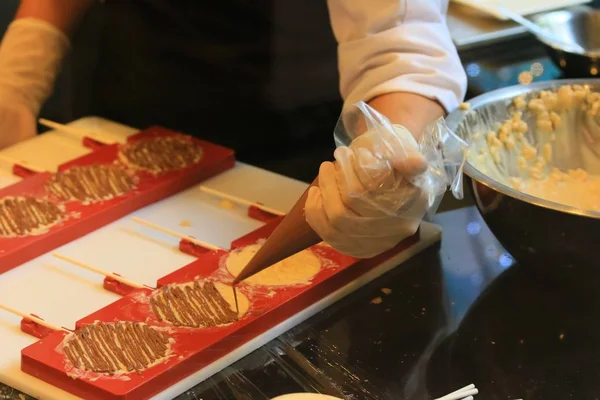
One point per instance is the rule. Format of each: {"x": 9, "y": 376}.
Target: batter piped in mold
{"x": 91, "y": 183}
{"x": 161, "y": 154}
{"x": 298, "y": 269}
{"x": 116, "y": 347}
{"x": 21, "y": 216}
{"x": 197, "y": 304}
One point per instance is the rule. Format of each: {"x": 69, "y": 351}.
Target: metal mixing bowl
{"x": 530, "y": 228}
{"x": 580, "y": 25}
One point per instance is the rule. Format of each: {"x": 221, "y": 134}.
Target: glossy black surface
{"x": 532, "y": 335}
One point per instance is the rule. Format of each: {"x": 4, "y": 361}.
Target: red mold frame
{"x": 92, "y": 143}
{"x": 21, "y": 171}
{"x": 81, "y": 219}
{"x": 194, "y": 349}
{"x": 34, "y": 329}
{"x": 193, "y": 249}
{"x": 115, "y": 286}
{"x": 260, "y": 215}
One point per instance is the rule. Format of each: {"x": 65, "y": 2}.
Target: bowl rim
{"x": 578, "y": 10}
{"x": 454, "y": 119}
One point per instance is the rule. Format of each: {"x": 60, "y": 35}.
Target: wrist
{"x": 410, "y": 110}
{"x": 31, "y": 54}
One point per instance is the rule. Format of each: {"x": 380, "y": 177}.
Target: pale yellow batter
{"x": 295, "y": 270}
{"x": 543, "y": 158}
{"x": 227, "y": 293}
{"x": 575, "y": 189}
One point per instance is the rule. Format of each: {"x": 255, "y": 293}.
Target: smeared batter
{"x": 198, "y": 304}
{"x": 535, "y": 153}
{"x": 22, "y": 216}
{"x": 161, "y": 154}
{"x": 576, "y": 188}
{"x": 114, "y": 348}
{"x": 91, "y": 183}
{"x": 295, "y": 270}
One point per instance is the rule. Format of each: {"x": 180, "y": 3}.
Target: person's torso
{"x": 220, "y": 56}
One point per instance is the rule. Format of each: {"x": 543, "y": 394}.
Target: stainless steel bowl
{"x": 530, "y": 228}
{"x": 579, "y": 25}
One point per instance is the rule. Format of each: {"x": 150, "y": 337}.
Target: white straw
{"x": 465, "y": 393}
{"x": 468, "y": 387}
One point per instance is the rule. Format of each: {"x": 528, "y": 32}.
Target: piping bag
{"x": 362, "y": 128}
{"x": 292, "y": 235}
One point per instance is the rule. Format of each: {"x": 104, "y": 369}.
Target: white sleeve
{"x": 396, "y": 46}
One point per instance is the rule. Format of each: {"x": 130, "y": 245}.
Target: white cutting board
{"x": 523, "y": 7}
{"x": 62, "y": 293}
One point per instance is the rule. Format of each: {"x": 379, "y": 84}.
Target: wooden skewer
{"x": 22, "y": 163}
{"x": 237, "y": 307}
{"x": 240, "y": 201}
{"x": 37, "y": 320}
{"x": 99, "y": 271}
{"x": 74, "y": 131}
{"x": 176, "y": 234}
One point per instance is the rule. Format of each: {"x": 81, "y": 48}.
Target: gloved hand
{"x": 350, "y": 207}
{"x": 30, "y": 56}
{"x": 17, "y": 121}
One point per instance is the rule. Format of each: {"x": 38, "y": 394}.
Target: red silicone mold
{"x": 194, "y": 349}
{"x": 81, "y": 219}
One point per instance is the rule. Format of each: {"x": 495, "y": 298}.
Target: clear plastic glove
{"x": 30, "y": 56}
{"x": 382, "y": 184}
{"x": 17, "y": 121}
{"x": 356, "y": 225}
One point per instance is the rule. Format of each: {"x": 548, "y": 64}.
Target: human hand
{"x": 365, "y": 203}
{"x": 30, "y": 57}
{"x": 17, "y": 121}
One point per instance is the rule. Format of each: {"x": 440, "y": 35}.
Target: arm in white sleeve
{"x": 31, "y": 54}
{"x": 30, "y": 58}
{"x": 390, "y": 46}
{"x": 33, "y": 48}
